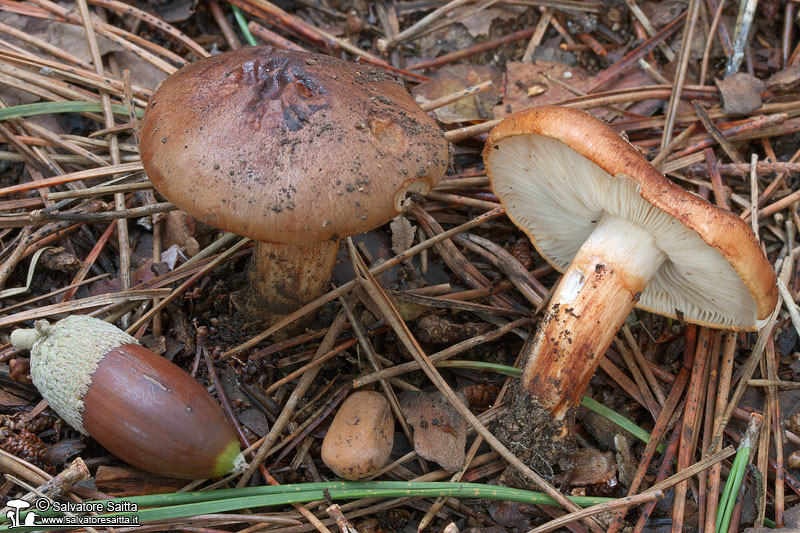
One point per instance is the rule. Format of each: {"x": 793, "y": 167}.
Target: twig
{"x": 456, "y": 96}
{"x": 710, "y": 40}
{"x": 538, "y": 35}
{"x": 473, "y": 50}
{"x": 627, "y": 501}
{"x": 690, "y": 430}
{"x": 683, "y": 64}
{"x": 224, "y": 26}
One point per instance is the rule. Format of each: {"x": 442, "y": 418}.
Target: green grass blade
{"x": 242, "y": 22}
{"x": 44, "y": 108}
{"x": 175, "y": 506}
{"x": 731, "y": 490}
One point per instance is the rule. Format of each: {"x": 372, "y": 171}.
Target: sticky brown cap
{"x": 288, "y": 147}
{"x": 558, "y": 170}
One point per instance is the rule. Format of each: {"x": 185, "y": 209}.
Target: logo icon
{"x": 13, "y": 513}
{"x": 114, "y": 513}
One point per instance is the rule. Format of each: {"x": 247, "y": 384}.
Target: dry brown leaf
{"x": 527, "y": 86}
{"x": 402, "y": 234}
{"x": 453, "y": 78}
{"x": 440, "y": 432}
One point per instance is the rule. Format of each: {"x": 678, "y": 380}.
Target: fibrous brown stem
{"x": 590, "y": 303}
{"x": 283, "y": 278}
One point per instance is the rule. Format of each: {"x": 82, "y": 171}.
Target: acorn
{"x": 136, "y": 404}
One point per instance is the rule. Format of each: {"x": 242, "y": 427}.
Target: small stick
{"x": 708, "y": 426}
{"x": 384, "y": 45}
{"x": 689, "y": 430}
{"x": 87, "y": 263}
{"x": 645, "y": 392}
{"x": 556, "y": 24}
{"x": 743, "y": 170}
{"x": 685, "y": 474}
{"x": 674, "y": 143}
{"x": 73, "y": 176}
{"x": 101, "y": 190}
{"x": 786, "y": 41}
{"x": 538, "y": 35}
{"x": 624, "y": 503}
{"x": 630, "y": 59}
{"x": 108, "y": 216}
{"x": 777, "y": 428}
{"x": 594, "y": 45}
{"x": 718, "y": 136}
{"x": 643, "y": 364}
{"x": 456, "y": 96}
{"x": 661, "y": 474}
{"x": 129, "y": 102}
{"x": 473, "y": 50}
{"x": 720, "y": 194}
{"x": 224, "y": 25}
{"x": 747, "y": 11}
{"x": 60, "y": 484}
{"x": 272, "y": 38}
{"x": 754, "y": 195}
{"x": 710, "y": 40}
{"x": 649, "y": 28}
{"x": 683, "y": 64}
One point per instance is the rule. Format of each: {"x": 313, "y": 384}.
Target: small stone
{"x": 360, "y": 438}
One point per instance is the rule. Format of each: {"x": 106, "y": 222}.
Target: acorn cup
{"x": 139, "y": 406}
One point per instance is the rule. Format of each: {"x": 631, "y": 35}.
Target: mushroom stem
{"x": 590, "y": 303}
{"x": 284, "y": 278}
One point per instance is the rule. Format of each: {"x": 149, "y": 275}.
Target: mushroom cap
{"x": 557, "y": 170}
{"x": 288, "y": 147}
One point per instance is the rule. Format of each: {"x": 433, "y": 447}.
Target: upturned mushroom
{"x": 291, "y": 149}
{"x": 623, "y": 236}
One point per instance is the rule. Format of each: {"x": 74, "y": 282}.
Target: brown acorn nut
{"x": 293, "y": 150}
{"x": 360, "y": 438}
{"x": 139, "y": 406}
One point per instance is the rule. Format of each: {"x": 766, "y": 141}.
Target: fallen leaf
{"x": 479, "y": 23}
{"x": 527, "y": 86}
{"x": 440, "y": 432}
{"x": 61, "y": 260}
{"x": 402, "y": 234}
{"x": 453, "y": 78}
{"x": 741, "y": 93}
{"x": 787, "y": 79}
{"x": 592, "y": 467}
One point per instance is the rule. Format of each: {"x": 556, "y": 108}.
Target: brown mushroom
{"x": 291, "y": 149}
{"x": 624, "y": 236}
